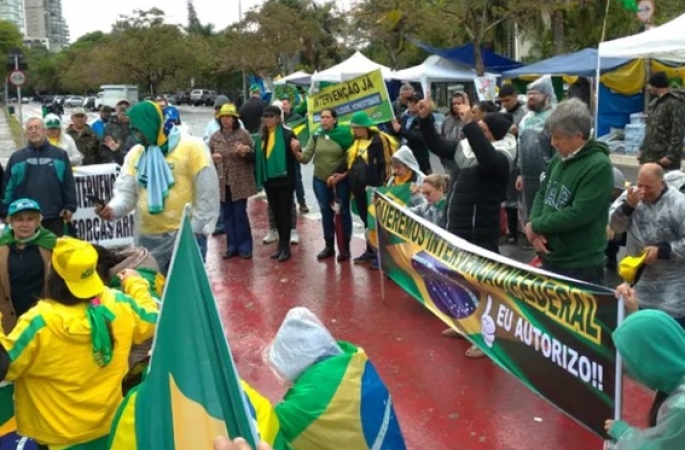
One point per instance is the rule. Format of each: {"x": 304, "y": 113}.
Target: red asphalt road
{"x": 444, "y": 400}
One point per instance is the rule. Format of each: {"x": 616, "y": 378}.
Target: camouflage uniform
{"x": 87, "y": 143}
{"x": 665, "y": 131}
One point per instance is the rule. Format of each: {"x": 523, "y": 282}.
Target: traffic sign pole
{"x": 19, "y": 104}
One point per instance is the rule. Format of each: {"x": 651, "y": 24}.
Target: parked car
{"x": 89, "y": 103}
{"x": 73, "y": 101}
{"x": 202, "y": 97}
{"x": 182, "y": 98}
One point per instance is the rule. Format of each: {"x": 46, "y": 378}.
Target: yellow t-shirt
{"x": 185, "y": 162}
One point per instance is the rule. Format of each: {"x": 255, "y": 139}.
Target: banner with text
{"x": 365, "y": 93}
{"x": 552, "y": 333}
{"x": 98, "y": 181}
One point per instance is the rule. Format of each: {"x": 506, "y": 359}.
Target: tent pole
{"x": 598, "y": 73}
{"x": 606, "y": 19}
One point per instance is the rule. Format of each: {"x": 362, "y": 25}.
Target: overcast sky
{"x": 85, "y": 17}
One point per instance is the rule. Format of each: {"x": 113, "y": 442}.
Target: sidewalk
{"x": 7, "y": 144}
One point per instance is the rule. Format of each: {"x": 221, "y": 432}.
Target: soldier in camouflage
{"x": 86, "y": 139}
{"x": 665, "y": 130}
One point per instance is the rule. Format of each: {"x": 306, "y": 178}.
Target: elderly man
{"x": 568, "y": 222}
{"x": 535, "y": 149}
{"x": 42, "y": 172}
{"x": 401, "y": 104}
{"x": 85, "y": 137}
{"x": 663, "y": 142}
{"x": 653, "y": 214}
{"x": 164, "y": 162}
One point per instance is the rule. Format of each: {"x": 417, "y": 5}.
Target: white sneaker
{"x": 294, "y": 238}
{"x": 271, "y": 237}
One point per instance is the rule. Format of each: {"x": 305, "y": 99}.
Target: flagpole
{"x": 606, "y": 19}
{"x": 381, "y": 274}
{"x": 240, "y": 15}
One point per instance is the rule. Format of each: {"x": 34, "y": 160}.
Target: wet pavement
{"x": 444, "y": 400}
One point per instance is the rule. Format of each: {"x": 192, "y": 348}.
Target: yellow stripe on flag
{"x": 194, "y": 428}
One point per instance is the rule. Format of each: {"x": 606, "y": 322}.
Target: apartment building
{"x": 45, "y": 21}
{"x": 13, "y": 11}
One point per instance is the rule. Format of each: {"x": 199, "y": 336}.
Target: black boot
{"x": 277, "y": 253}
{"x": 328, "y": 251}
{"x": 284, "y": 254}
{"x": 344, "y": 252}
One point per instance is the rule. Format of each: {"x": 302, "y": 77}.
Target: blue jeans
{"x": 299, "y": 187}
{"x": 202, "y": 243}
{"x": 237, "y": 226}
{"x": 324, "y": 195}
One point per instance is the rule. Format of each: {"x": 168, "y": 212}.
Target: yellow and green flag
{"x": 301, "y": 129}
{"x": 191, "y": 393}
{"x": 7, "y": 422}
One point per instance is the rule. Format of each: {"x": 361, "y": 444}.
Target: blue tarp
{"x": 466, "y": 55}
{"x": 582, "y": 63}
{"x": 615, "y": 109}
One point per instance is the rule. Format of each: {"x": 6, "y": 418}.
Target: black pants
{"x": 513, "y": 221}
{"x": 280, "y": 201}
{"x": 594, "y": 275}
{"x": 362, "y": 204}
{"x": 58, "y": 227}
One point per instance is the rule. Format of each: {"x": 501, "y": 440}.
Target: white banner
{"x": 486, "y": 88}
{"x": 98, "y": 181}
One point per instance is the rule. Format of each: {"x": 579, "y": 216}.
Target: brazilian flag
{"x": 7, "y": 422}
{"x": 400, "y": 194}
{"x": 340, "y": 403}
{"x": 191, "y": 392}
{"x": 301, "y": 129}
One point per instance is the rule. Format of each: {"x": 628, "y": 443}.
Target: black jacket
{"x": 476, "y": 193}
{"x": 414, "y": 140}
{"x": 251, "y": 114}
{"x": 289, "y": 179}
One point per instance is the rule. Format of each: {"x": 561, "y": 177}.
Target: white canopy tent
{"x": 355, "y": 66}
{"x": 665, "y": 43}
{"x": 300, "y": 77}
{"x": 437, "y": 70}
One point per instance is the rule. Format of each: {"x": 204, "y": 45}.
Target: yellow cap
{"x": 630, "y": 266}
{"x": 228, "y": 110}
{"x": 75, "y": 261}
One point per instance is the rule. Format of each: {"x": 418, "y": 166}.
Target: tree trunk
{"x": 558, "y": 32}
{"x": 478, "y": 57}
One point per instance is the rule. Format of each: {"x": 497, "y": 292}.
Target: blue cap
{"x": 23, "y": 204}
{"x": 171, "y": 113}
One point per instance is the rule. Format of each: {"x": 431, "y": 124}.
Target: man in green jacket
{"x": 568, "y": 221}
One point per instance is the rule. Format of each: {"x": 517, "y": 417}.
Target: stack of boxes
{"x": 635, "y": 133}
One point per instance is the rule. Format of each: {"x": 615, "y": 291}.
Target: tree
{"x": 10, "y": 37}
{"x": 195, "y": 26}
{"x": 146, "y": 51}
{"x": 479, "y": 17}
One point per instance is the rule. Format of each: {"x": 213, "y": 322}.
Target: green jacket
{"x": 652, "y": 346}
{"x": 571, "y": 207}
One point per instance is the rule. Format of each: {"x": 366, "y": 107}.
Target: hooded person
{"x": 535, "y": 144}
{"x": 59, "y": 138}
{"x": 652, "y": 345}
{"x": 405, "y": 169}
{"x": 161, "y": 175}
{"x": 336, "y": 399}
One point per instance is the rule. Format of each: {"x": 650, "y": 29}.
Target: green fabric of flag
{"x": 630, "y": 5}
{"x": 191, "y": 393}
{"x": 271, "y": 158}
{"x": 301, "y": 129}
{"x": 154, "y": 279}
{"x": 400, "y": 194}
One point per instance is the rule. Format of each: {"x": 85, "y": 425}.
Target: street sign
{"x": 17, "y": 78}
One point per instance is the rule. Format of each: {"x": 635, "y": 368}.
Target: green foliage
{"x": 281, "y": 36}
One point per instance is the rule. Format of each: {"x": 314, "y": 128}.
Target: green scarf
{"x": 43, "y": 238}
{"x": 274, "y": 165}
{"x": 148, "y": 119}
{"x": 342, "y": 134}
{"x": 154, "y": 279}
{"x": 98, "y": 317}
